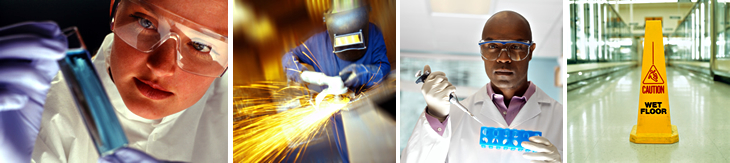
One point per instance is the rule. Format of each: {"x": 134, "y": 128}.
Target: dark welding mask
{"x": 347, "y": 25}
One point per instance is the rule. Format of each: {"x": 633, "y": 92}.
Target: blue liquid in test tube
{"x": 92, "y": 101}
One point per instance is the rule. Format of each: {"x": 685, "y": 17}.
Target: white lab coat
{"x": 196, "y": 134}
{"x": 460, "y": 140}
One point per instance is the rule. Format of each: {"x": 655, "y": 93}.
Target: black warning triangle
{"x": 653, "y": 76}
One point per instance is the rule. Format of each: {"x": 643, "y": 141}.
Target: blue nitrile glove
{"x": 292, "y": 67}
{"x": 129, "y": 155}
{"x": 356, "y": 75}
{"x": 29, "y": 54}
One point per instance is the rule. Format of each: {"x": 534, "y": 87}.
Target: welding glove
{"x": 292, "y": 67}
{"x": 129, "y": 155}
{"x": 29, "y": 54}
{"x": 356, "y": 75}
{"x": 313, "y": 77}
{"x": 545, "y": 151}
{"x": 330, "y": 84}
{"x": 436, "y": 89}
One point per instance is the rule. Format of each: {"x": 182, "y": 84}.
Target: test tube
{"x": 91, "y": 99}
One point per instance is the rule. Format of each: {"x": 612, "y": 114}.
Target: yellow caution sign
{"x": 654, "y": 125}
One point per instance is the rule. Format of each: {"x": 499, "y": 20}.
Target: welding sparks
{"x": 262, "y": 135}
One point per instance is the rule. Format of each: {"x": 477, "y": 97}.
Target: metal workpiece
{"x": 365, "y": 131}
{"x": 370, "y": 130}
{"x": 359, "y": 132}
{"x": 377, "y": 94}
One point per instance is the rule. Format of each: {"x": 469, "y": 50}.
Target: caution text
{"x": 652, "y": 89}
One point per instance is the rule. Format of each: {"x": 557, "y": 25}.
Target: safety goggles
{"x": 146, "y": 27}
{"x": 516, "y": 50}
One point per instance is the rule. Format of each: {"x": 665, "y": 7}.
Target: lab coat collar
{"x": 530, "y": 110}
{"x": 113, "y": 92}
{"x": 487, "y": 108}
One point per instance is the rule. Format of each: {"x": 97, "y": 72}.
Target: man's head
{"x": 347, "y": 25}
{"x": 504, "y": 72}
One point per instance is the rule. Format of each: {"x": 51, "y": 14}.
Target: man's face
{"x": 503, "y": 72}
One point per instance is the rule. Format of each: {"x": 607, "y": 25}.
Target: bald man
{"x": 444, "y": 133}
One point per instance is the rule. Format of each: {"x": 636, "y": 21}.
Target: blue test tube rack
{"x": 505, "y": 138}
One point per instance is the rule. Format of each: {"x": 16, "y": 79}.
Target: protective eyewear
{"x": 347, "y": 29}
{"x": 350, "y": 41}
{"x": 516, "y": 50}
{"x": 146, "y": 27}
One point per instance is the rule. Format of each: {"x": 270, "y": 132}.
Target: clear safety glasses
{"x": 516, "y": 50}
{"x": 146, "y": 27}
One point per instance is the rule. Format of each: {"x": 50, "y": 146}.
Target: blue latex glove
{"x": 129, "y": 155}
{"x": 356, "y": 75}
{"x": 292, "y": 67}
{"x": 29, "y": 54}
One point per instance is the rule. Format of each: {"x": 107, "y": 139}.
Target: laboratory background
{"x": 604, "y": 69}
{"x": 444, "y": 34}
{"x": 90, "y": 16}
{"x": 274, "y": 119}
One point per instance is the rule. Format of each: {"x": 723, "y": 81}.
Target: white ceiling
{"x": 664, "y": 10}
{"x": 424, "y": 31}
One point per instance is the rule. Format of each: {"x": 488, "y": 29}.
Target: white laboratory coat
{"x": 460, "y": 140}
{"x": 196, "y": 134}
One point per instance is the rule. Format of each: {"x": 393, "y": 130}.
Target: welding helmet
{"x": 347, "y": 26}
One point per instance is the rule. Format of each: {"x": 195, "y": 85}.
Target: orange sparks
{"x": 271, "y": 120}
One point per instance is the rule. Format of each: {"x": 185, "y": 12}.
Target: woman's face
{"x": 151, "y": 84}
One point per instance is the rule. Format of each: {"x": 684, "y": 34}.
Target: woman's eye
{"x": 200, "y": 47}
{"x": 146, "y": 23}
{"x": 516, "y": 47}
{"x": 492, "y": 46}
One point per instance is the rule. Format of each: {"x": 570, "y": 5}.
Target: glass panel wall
{"x": 692, "y": 40}
{"x": 598, "y": 34}
{"x": 722, "y": 16}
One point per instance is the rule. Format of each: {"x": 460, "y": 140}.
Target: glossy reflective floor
{"x": 601, "y": 115}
